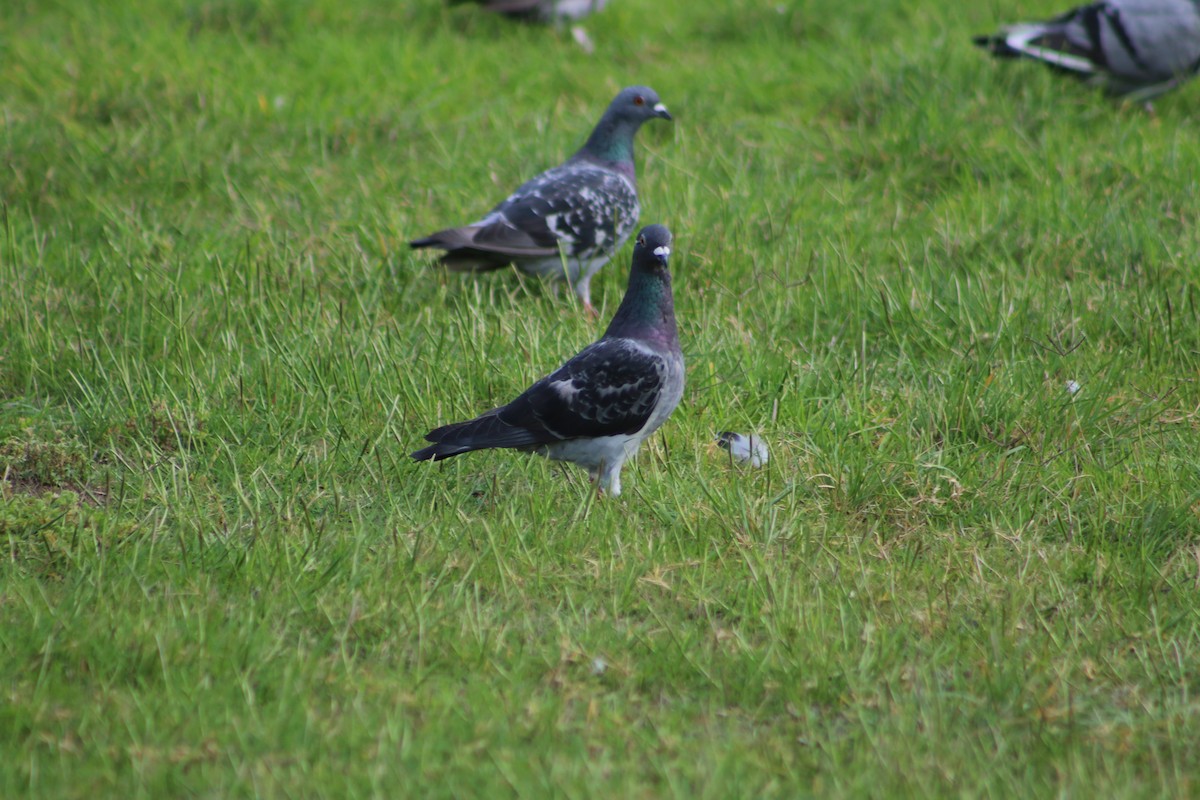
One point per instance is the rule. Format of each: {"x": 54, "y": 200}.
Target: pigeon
{"x": 745, "y": 449}
{"x": 568, "y": 221}
{"x": 542, "y": 10}
{"x": 598, "y": 408}
{"x": 1135, "y": 49}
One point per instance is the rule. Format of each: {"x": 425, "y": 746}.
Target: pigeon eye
{"x": 642, "y": 241}
{"x": 639, "y": 101}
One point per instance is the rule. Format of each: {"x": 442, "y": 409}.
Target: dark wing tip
{"x": 436, "y": 450}
{"x": 994, "y": 44}
{"x": 424, "y": 454}
{"x": 446, "y": 239}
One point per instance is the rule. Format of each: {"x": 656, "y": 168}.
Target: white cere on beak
{"x": 659, "y": 108}
{"x": 663, "y": 251}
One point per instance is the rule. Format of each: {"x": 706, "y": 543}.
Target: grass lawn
{"x": 223, "y": 577}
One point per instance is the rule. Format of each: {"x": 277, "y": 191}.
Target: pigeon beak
{"x": 661, "y": 254}
{"x": 661, "y": 111}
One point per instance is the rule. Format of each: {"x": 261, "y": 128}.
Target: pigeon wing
{"x": 587, "y": 208}
{"x": 611, "y": 388}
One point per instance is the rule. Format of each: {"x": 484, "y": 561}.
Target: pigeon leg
{"x": 610, "y": 477}
{"x": 583, "y": 291}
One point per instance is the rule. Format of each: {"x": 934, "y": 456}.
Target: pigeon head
{"x": 653, "y": 248}
{"x": 639, "y": 103}
{"x": 612, "y": 139}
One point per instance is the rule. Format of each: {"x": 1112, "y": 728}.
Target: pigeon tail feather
{"x": 482, "y": 433}
{"x": 1046, "y": 42}
{"x": 477, "y": 248}
{"x": 996, "y": 45}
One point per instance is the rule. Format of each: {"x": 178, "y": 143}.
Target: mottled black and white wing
{"x": 611, "y": 388}
{"x": 586, "y": 208}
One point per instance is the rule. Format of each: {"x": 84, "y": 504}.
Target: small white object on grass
{"x": 599, "y": 666}
{"x": 582, "y": 39}
{"x": 1073, "y": 387}
{"x": 748, "y": 449}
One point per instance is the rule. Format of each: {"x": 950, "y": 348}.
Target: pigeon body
{"x": 567, "y": 222}
{"x": 746, "y": 449}
{"x": 542, "y": 10}
{"x": 1135, "y": 49}
{"x": 597, "y": 409}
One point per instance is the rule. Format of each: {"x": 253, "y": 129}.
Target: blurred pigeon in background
{"x": 1136, "y": 49}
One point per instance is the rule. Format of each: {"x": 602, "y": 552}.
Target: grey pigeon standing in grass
{"x": 542, "y": 10}
{"x": 1136, "y": 49}
{"x": 598, "y": 408}
{"x": 588, "y": 207}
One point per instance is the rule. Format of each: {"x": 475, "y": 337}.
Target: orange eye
{"x": 639, "y": 101}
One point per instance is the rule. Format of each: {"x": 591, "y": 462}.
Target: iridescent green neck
{"x": 648, "y": 310}
{"x": 612, "y": 140}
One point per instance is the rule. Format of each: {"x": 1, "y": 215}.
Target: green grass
{"x": 224, "y": 577}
